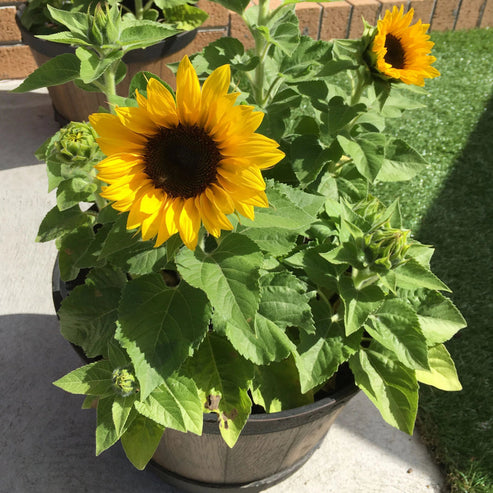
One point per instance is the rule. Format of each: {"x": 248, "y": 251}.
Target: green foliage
{"x": 267, "y": 313}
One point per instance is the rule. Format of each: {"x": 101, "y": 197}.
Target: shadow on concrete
{"x": 46, "y": 441}
{"x": 25, "y": 122}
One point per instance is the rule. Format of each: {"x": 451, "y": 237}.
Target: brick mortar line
{"x": 456, "y": 12}
{"x": 481, "y": 13}
{"x": 320, "y": 20}
{"x": 349, "y": 20}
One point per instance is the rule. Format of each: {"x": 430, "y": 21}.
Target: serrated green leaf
{"x": 77, "y": 22}
{"x": 277, "y": 387}
{"x": 106, "y": 434}
{"x": 413, "y": 275}
{"x": 367, "y": 151}
{"x": 94, "y": 379}
{"x": 88, "y": 315}
{"x": 186, "y": 17}
{"x": 57, "y": 223}
{"x": 401, "y": 162}
{"x": 92, "y": 67}
{"x": 274, "y": 241}
{"x": 438, "y": 317}
{"x": 389, "y": 385}
{"x": 395, "y": 326}
{"x": 340, "y": 113}
{"x": 65, "y": 37}
{"x": 140, "y": 440}
{"x": 71, "y": 192}
{"x": 117, "y": 355}
{"x": 56, "y": 71}
{"x": 159, "y": 325}
{"x": 289, "y": 208}
{"x": 121, "y": 412}
{"x": 175, "y": 404}
{"x": 229, "y": 276}
{"x": 223, "y": 378}
{"x": 319, "y": 355}
{"x": 359, "y": 304}
{"x": 442, "y": 373}
{"x": 141, "y": 34}
{"x": 73, "y": 247}
{"x": 237, "y": 6}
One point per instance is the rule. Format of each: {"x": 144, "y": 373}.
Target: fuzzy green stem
{"x": 139, "y": 9}
{"x": 261, "y": 48}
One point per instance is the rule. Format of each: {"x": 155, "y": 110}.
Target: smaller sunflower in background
{"x": 177, "y": 164}
{"x": 401, "y": 51}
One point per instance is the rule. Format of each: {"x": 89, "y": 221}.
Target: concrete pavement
{"x": 47, "y": 442}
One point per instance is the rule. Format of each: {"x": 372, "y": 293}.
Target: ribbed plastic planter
{"x": 74, "y": 104}
{"x": 271, "y": 447}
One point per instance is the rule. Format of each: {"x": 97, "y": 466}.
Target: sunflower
{"x": 402, "y": 51}
{"x": 177, "y": 164}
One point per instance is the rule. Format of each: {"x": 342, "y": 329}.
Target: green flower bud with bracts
{"x": 387, "y": 246}
{"x": 124, "y": 382}
{"x": 74, "y": 143}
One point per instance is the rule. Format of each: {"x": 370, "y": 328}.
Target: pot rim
{"x": 161, "y": 49}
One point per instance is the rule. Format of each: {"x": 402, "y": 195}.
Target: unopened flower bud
{"x": 124, "y": 381}
{"x": 74, "y": 143}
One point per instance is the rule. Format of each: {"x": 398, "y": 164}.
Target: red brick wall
{"x": 337, "y": 19}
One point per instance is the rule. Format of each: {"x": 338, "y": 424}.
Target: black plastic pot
{"x": 71, "y": 103}
{"x": 271, "y": 447}
{"x": 164, "y": 48}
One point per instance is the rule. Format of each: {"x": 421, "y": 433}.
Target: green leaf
{"x": 140, "y": 441}
{"x": 229, "y": 276}
{"x": 389, "y": 385}
{"x": 140, "y": 80}
{"x": 58, "y": 223}
{"x": 65, "y": 37}
{"x": 185, "y": 16}
{"x": 401, "y": 162}
{"x": 340, "y": 114}
{"x": 56, "y": 71}
{"x": 223, "y": 378}
{"x": 175, "y": 404}
{"x": 92, "y": 66}
{"x": 121, "y": 413}
{"x": 76, "y": 22}
{"x": 442, "y": 373}
{"x": 359, "y": 304}
{"x": 71, "y": 192}
{"x": 237, "y": 6}
{"x": 159, "y": 325}
{"x": 94, "y": 379}
{"x": 413, "y": 275}
{"x": 307, "y": 158}
{"x": 319, "y": 355}
{"x": 274, "y": 241}
{"x": 289, "y": 208}
{"x": 141, "y": 34}
{"x": 106, "y": 434}
{"x": 277, "y": 387}
{"x": 88, "y": 315}
{"x": 438, "y": 317}
{"x": 72, "y": 248}
{"x": 395, "y": 326}
{"x": 367, "y": 151}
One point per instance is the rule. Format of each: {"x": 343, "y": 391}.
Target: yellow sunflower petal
{"x": 189, "y": 224}
{"x": 114, "y": 136}
{"x": 214, "y": 220}
{"x": 188, "y": 93}
{"x": 217, "y": 84}
{"x": 161, "y": 105}
{"x": 137, "y": 120}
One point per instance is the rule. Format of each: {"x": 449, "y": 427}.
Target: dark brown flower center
{"x": 182, "y": 160}
{"x": 395, "y": 55}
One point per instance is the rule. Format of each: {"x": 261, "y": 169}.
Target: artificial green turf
{"x": 450, "y": 206}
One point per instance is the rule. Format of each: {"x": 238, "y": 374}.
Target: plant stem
{"x": 110, "y": 82}
{"x": 139, "y": 9}
{"x": 261, "y": 48}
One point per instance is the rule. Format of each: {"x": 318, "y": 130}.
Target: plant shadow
{"x": 46, "y": 441}
{"x": 26, "y": 120}
{"x": 460, "y": 226}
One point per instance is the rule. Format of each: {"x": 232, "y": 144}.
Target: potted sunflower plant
{"x": 148, "y": 35}
{"x": 224, "y": 262}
